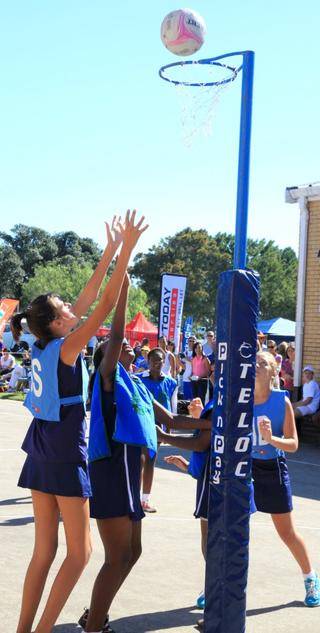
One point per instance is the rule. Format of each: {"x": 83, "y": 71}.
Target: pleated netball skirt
{"x": 67, "y": 480}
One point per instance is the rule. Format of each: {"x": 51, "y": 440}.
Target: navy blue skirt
{"x": 66, "y": 480}
{"x": 271, "y": 483}
{"x": 115, "y": 485}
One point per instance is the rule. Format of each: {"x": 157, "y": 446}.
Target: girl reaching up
{"x": 55, "y": 468}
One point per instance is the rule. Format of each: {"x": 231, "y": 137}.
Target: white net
{"x": 198, "y": 104}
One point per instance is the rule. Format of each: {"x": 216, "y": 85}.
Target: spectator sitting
{"x": 287, "y": 367}
{"x": 310, "y": 395}
{"x": 7, "y": 362}
{"x": 19, "y": 371}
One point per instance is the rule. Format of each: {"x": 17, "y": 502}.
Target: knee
{"x": 287, "y": 535}
{"x": 80, "y": 557}
{"x": 121, "y": 559}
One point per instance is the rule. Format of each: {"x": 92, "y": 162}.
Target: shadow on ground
{"x": 16, "y": 501}
{"x": 16, "y": 521}
{"x": 166, "y": 620}
{"x": 158, "y": 621}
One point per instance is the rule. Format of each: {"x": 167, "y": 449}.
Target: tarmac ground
{"x": 160, "y": 593}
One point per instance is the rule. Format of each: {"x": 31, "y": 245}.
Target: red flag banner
{"x": 7, "y": 308}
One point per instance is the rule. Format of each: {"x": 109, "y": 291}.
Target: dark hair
{"x": 39, "y": 315}
{"x": 96, "y": 359}
{"x": 156, "y": 350}
{"x": 194, "y": 349}
{"x": 173, "y": 344}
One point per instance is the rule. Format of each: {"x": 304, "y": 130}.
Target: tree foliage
{"x": 202, "y": 258}
{"x": 28, "y": 247}
{"x": 69, "y": 281}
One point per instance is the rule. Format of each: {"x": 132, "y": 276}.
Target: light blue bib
{"x": 43, "y": 399}
{"x": 274, "y": 409}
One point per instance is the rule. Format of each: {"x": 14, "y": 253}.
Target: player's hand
{"x": 195, "y": 408}
{"x": 178, "y": 461}
{"x": 116, "y": 232}
{"x": 266, "y": 429}
{"x": 132, "y": 231}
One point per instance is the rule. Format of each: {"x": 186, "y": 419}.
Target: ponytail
{"x": 15, "y": 324}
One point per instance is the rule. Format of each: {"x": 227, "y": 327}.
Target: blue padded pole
{"x": 240, "y": 247}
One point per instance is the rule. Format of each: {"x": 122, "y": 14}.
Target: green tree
{"x": 32, "y": 245}
{"x": 71, "y": 247}
{"x": 11, "y": 273}
{"x": 67, "y": 281}
{"x": 202, "y": 258}
{"x": 192, "y": 253}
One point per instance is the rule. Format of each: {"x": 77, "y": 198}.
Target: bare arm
{"x": 113, "y": 349}
{"x": 289, "y": 442}
{"x": 173, "y": 365}
{"x": 175, "y": 421}
{"x": 90, "y": 293}
{"x": 75, "y": 341}
{"x": 199, "y": 443}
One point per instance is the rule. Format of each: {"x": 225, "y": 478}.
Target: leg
{"x": 148, "y": 472}
{"x": 75, "y": 516}
{"x": 121, "y": 545}
{"x": 204, "y": 537}
{"x": 286, "y": 530}
{"x": 46, "y": 518}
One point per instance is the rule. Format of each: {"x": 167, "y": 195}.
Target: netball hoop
{"x": 237, "y": 312}
{"x": 211, "y": 77}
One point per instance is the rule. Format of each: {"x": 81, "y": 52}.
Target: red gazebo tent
{"x": 140, "y": 328}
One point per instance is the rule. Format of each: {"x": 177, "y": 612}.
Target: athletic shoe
{"x": 146, "y": 507}
{"x": 312, "y": 586}
{"x": 84, "y": 619}
{"x": 201, "y": 601}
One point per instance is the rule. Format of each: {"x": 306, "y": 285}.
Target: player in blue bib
{"x": 55, "y": 468}
{"x": 123, "y": 414}
{"x": 274, "y": 433}
{"x": 163, "y": 389}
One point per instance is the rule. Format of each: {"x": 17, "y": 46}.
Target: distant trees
{"x": 27, "y": 247}
{"x": 33, "y": 261}
{"x": 202, "y": 257}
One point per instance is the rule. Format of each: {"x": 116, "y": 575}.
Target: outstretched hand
{"x": 116, "y": 232}
{"x": 133, "y": 232}
{"x": 195, "y": 408}
{"x": 178, "y": 461}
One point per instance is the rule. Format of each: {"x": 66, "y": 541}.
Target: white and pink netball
{"x": 183, "y": 31}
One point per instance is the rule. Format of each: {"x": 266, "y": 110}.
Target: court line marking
{"x": 298, "y": 461}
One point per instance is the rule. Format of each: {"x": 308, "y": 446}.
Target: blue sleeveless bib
{"x": 199, "y": 458}
{"x": 43, "y": 399}
{"x": 274, "y": 409}
{"x": 162, "y": 390}
{"x": 135, "y": 422}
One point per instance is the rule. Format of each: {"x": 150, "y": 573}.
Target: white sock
{"x": 310, "y": 575}
{"x": 145, "y": 497}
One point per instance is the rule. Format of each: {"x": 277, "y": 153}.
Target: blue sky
{"x": 88, "y": 129}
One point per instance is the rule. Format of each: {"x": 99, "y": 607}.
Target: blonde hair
{"x": 272, "y": 362}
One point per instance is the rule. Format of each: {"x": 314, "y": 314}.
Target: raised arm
{"x": 91, "y": 291}
{"x": 75, "y": 341}
{"x": 114, "y": 346}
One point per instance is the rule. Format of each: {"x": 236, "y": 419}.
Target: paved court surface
{"x": 160, "y": 593}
